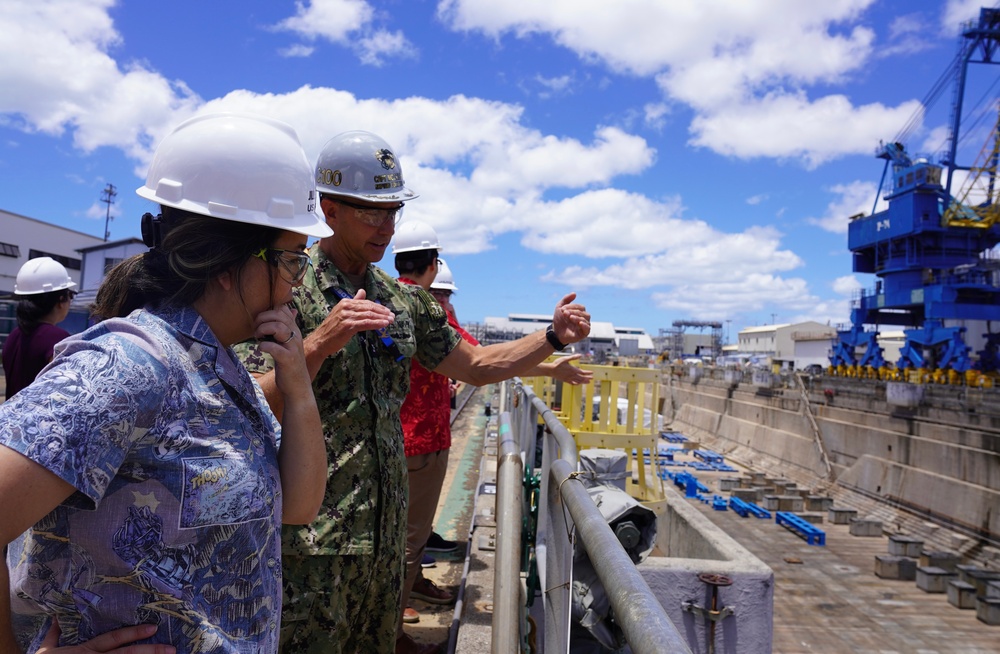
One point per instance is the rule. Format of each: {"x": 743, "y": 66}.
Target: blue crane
{"x": 929, "y": 250}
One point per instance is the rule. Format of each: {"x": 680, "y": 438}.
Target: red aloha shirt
{"x": 426, "y": 412}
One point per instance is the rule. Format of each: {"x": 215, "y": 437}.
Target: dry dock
{"x": 831, "y": 602}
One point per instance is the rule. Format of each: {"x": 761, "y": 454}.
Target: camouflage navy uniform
{"x": 343, "y": 573}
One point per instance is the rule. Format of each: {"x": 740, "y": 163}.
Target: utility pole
{"x": 773, "y": 318}
{"x": 108, "y": 198}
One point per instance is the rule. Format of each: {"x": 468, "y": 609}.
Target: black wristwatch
{"x": 550, "y": 336}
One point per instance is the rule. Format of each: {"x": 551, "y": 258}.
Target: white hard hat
{"x": 361, "y": 165}
{"x": 413, "y": 235}
{"x": 240, "y": 167}
{"x": 42, "y": 275}
{"x": 444, "y": 281}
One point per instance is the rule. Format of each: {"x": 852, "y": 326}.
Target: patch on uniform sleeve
{"x": 434, "y": 309}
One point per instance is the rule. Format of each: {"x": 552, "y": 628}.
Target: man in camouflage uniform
{"x": 343, "y": 573}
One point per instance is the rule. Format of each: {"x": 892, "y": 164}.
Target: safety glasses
{"x": 292, "y": 262}
{"x": 372, "y": 216}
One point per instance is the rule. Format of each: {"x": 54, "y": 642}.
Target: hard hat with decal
{"x": 413, "y": 235}
{"x": 444, "y": 281}
{"x": 361, "y": 165}
{"x": 42, "y": 275}
{"x": 240, "y": 167}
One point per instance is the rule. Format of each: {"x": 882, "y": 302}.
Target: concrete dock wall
{"x": 939, "y": 461}
{"x": 692, "y": 546}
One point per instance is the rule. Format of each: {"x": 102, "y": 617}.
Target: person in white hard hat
{"x": 44, "y": 290}
{"x": 442, "y": 288}
{"x": 140, "y": 475}
{"x": 345, "y": 570}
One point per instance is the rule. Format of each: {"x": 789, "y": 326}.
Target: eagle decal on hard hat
{"x": 386, "y": 158}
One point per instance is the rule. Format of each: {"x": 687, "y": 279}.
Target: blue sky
{"x": 681, "y": 159}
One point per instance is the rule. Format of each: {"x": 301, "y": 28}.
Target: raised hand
{"x": 561, "y": 370}
{"x": 571, "y": 322}
{"x": 348, "y": 317}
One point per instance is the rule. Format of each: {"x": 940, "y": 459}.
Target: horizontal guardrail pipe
{"x": 647, "y": 628}
{"x": 567, "y": 445}
{"x": 509, "y": 509}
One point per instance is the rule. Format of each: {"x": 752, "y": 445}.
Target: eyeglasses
{"x": 371, "y": 216}
{"x": 293, "y": 262}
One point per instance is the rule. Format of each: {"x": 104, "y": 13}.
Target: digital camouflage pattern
{"x": 360, "y": 390}
{"x": 338, "y": 604}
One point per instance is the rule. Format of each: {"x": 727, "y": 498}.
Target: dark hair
{"x": 32, "y": 308}
{"x": 415, "y": 261}
{"x": 194, "y": 249}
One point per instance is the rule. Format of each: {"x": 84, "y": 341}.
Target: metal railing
{"x": 566, "y": 511}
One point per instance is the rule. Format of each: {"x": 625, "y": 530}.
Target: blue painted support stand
{"x": 812, "y": 534}
{"x": 744, "y": 508}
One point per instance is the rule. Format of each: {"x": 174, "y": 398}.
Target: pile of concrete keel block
{"x": 967, "y": 586}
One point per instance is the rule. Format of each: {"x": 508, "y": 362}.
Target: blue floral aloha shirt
{"x": 177, "y": 511}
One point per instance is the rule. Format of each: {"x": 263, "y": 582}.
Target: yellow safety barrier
{"x": 619, "y": 410}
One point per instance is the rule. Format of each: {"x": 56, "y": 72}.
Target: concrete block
{"x": 758, "y": 477}
{"x": 727, "y": 484}
{"x": 818, "y": 503}
{"x": 993, "y": 589}
{"x": 745, "y": 494}
{"x": 865, "y": 527}
{"x": 941, "y": 559}
{"x": 771, "y": 502}
{"x": 841, "y": 516}
{"x": 932, "y": 579}
{"x": 895, "y": 567}
{"x": 981, "y": 579}
{"x": 791, "y": 503}
{"x": 988, "y": 610}
{"x": 963, "y": 570}
{"x": 903, "y": 545}
{"x": 812, "y": 518}
{"x": 961, "y": 594}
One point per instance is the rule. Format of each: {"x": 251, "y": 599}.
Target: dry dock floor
{"x": 832, "y": 602}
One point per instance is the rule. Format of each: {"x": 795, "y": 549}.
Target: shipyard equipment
{"x": 932, "y": 252}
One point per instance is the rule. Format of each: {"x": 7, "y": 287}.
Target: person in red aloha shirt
{"x": 426, "y": 418}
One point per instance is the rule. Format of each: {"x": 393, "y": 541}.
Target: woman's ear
{"x": 225, "y": 280}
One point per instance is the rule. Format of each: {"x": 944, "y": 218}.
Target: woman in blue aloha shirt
{"x": 141, "y": 480}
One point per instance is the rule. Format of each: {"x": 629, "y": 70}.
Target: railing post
{"x": 509, "y": 508}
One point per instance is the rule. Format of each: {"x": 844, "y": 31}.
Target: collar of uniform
{"x": 328, "y": 275}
